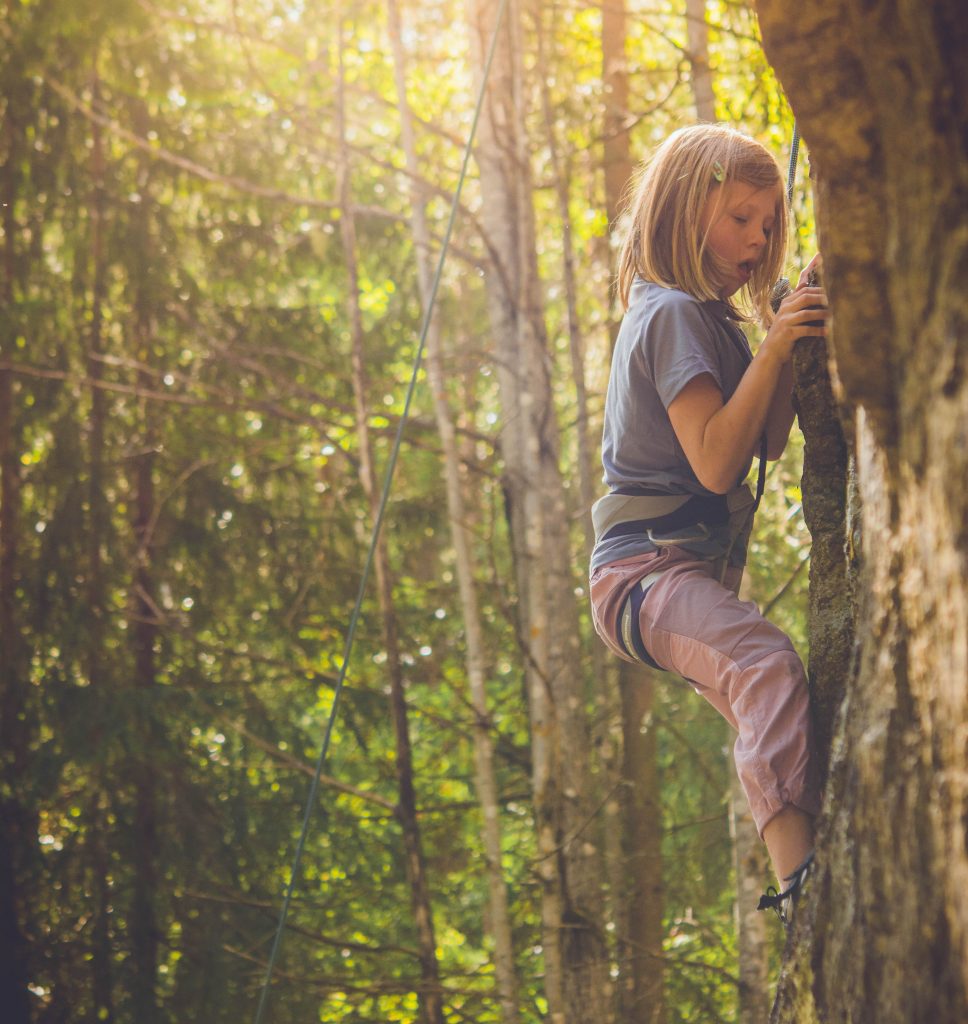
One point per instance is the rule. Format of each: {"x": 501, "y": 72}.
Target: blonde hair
{"x": 666, "y": 244}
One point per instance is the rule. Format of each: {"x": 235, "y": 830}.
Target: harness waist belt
{"x": 712, "y": 510}
{"x": 623, "y": 515}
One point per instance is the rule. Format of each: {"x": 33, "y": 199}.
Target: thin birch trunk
{"x": 562, "y": 182}
{"x": 607, "y": 707}
{"x": 569, "y": 865}
{"x": 587, "y": 981}
{"x": 430, "y": 995}
{"x": 500, "y": 213}
{"x": 698, "y": 47}
{"x": 462, "y": 539}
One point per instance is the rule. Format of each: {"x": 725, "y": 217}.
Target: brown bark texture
{"x": 829, "y": 508}
{"x": 881, "y": 95}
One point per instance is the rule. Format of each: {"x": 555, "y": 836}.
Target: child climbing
{"x": 688, "y": 405}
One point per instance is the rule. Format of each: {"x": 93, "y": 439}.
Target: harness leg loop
{"x": 629, "y": 631}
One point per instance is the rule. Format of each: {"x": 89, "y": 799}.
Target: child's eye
{"x": 738, "y": 219}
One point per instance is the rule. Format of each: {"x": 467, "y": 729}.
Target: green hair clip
{"x": 719, "y": 172}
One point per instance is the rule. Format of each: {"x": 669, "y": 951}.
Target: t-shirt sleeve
{"x": 679, "y": 345}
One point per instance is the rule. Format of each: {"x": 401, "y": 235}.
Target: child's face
{"x": 737, "y": 220}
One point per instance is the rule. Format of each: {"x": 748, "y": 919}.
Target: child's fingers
{"x": 809, "y": 313}
{"x": 815, "y": 263}
{"x": 810, "y": 301}
{"x": 805, "y": 296}
{"x": 809, "y": 322}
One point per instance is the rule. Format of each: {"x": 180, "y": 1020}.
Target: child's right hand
{"x": 796, "y": 318}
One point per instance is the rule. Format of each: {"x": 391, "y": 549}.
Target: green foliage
{"x": 190, "y": 523}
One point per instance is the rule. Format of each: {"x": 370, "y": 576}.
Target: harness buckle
{"x": 692, "y": 534}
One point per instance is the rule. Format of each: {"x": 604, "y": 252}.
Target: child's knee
{"x": 765, "y": 643}
{"x": 771, "y": 692}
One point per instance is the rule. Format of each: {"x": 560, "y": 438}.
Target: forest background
{"x": 219, "y": 221}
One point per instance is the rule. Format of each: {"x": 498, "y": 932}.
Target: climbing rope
{"x": 391, "y": 466}
{"x": 782, "y": 287}
{"x": 792, "y": 170}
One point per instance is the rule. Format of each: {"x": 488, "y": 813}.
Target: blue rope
{"x": 391, "y": 466}
{"x": 792, "y": 171}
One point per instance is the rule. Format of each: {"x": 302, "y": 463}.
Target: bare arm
{"x": 719, "y": 438}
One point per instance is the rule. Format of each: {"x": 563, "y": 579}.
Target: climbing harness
{"x": 388, "y": 479}
{"x": 710, "y": 526}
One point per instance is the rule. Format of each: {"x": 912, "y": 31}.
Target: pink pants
{"x": 743, "y": 665}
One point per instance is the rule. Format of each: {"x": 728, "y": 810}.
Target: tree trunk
{"x": 102, "y": 988}
{"x": 825, "y": 491}
{"x": 881, "y": 95}
{"x": 143, "y": 928}
{"x": 641, "y": 899}
{"x": 562, "y": 180}
{"x": 569, "y": 862}
{"x": 462, "y": 538}
{"x": 144, "y": 932}
{"x": 430, "y": 995}
{"x": 642, "y": 956}
{"x": 616, "y": 158}
{"x": 607, "y": 718}
{"x": 701, "y": 79}
{"x": 17, "y": 833}
{"x": 751, "y": 866}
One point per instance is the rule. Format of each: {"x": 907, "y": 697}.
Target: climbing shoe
{"x": 784, "y": 903}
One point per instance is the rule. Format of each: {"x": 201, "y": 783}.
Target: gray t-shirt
{"x": 667, "y": 338}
